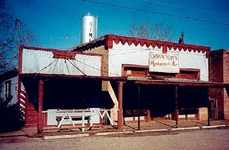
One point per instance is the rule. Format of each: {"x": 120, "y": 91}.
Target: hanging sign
{"x": 166, "y": 63}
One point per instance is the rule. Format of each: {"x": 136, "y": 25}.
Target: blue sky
{"x": 57, "y": 23}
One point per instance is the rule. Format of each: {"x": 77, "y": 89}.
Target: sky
{"x": 57, "y": 23}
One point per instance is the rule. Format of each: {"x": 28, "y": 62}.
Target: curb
{"x": 122, "y": 132}
{"x": 132, "y": 132}
{"x": 16, "y": 135}
{"x": 151, "y": 130}
{"x": 113, "y": 133}
{"x": 185, "y": 128}
{"x": 215, "y": 126}
{"x": 4, "y": 135}
{"x": 64, "y": 136}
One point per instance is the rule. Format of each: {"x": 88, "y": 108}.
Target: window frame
{"x": 8, "y": 86}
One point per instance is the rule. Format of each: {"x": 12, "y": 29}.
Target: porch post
{"x": 176, "y": 105}
{"x": 139, "y": 122}
{"x": 40, "y": 105}
{"x": 209, "y": 108}
{"x": 120, "y": 104}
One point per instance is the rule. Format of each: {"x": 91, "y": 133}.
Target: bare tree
{"x": 142, "y": 30}
{"x": 156, "y": 31}
{"x": 12, "y": 34}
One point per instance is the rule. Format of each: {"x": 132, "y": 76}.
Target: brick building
{"x": 219, "y": 72}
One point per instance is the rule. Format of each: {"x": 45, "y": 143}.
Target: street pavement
{"x": 210, "y": 139}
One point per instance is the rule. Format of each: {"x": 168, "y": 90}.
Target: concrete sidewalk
{"x": 156, "y": 125}
{"x": 12, "y": 134}
{"x": 161, "y": 123}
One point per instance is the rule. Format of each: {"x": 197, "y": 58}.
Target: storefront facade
{"x": 159, "y": 68}
{"x": 121, "y": 78}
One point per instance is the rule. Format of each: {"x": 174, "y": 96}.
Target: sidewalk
{"x": 12, "y": 134}
{"x": 156, "y": 125}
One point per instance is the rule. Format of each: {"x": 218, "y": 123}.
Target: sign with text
{"x": 166, "y": 63}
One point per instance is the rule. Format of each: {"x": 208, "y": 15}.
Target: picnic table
{"x": 82, "y": 114}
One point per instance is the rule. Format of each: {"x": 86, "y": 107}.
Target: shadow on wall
{"x": 157, "y": 99}
{"x": 75, "y": 94}
{"x": 11, "y": 117}
{"x": 160, "y": 100}
{"x": 68, "y": 93}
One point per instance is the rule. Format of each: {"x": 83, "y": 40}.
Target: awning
{"x": 63, "y": 76}
{"x": 177, "y": 82}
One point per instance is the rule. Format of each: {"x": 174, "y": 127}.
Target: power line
{"x": 176, "y": 4}
{"x": 66, "y": 66}
{"x": 47, "y": 65}
{"x": 75, "y": 66}
{"x": 203, "y": 20}
{"x": 203, "y": 11}
{"x": 99, "y": 69}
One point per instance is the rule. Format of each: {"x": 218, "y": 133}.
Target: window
{"x": 8, "y": 89}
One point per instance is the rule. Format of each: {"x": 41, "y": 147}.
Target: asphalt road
{"x": 217, "y": 139}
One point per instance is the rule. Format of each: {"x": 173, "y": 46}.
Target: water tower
{"x": 89, "y": 28}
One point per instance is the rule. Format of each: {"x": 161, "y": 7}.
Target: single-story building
{"x": 114, "y": 78}
{"x": 163, "y": 78}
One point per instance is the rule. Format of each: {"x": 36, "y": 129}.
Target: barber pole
{"x": 22, "y": 101}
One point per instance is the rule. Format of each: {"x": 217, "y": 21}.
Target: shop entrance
{"x": 213, "y": 108}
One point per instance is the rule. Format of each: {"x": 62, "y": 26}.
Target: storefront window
{"x": 8, "y": 89}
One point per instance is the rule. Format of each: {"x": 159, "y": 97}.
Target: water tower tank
{"x": 89, "y": 28}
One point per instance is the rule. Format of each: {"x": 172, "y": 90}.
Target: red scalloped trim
{"x": 63, "y": 55}
{"x": 165, "y": 44}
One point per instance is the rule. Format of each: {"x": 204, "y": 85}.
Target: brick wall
{"x": 216, "y": 75}
{"x": 226, "y": 66}
{"x": 216, "y": 66}
{"x": 219, "y": 72}
{"x": 226, "y": 79}
{"x": 31, "y": 116}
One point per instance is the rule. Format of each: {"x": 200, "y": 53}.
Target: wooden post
{"x": 139, "y": 121}
{"x": 176, "y": 105}
{"x": 40, "y": 105}
{"x": 209, "y": 108}
{"x": 120, "y": 104}
{"x": 148, "y": 117}
{"x": 209, "y": 111}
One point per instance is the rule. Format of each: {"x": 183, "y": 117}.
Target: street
{"x": 217, "y": 139}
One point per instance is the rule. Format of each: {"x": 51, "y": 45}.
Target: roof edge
{"x": 8, "y": 74}
{"x": 107, "y": 42}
